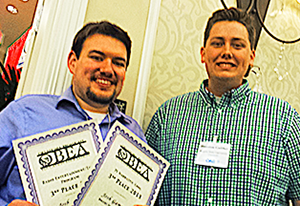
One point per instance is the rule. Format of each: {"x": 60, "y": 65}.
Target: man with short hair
{"x": 98, "y": 61}
{"x": 227, "y": 145}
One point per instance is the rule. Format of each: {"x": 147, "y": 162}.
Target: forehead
{"x": 229, "y": 29}
{"x": 105, "y": 44}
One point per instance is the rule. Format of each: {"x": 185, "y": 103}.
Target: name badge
{"x": 213, "y": 154}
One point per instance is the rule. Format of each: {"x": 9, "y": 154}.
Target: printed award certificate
{"x": 126, "y": 172}
{"x": 54, "y": 165}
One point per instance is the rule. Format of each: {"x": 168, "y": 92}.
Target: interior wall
{"x": 176, "y": 66}
{"x": 283, "y": 21}
{"x": 131, "y": 15}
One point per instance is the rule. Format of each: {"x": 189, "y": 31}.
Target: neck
{"x": 92, "y": 106}
{"x": 219, "y": 88}
{"x": 98, "y": 109}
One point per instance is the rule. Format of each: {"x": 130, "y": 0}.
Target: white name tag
{"x": 213, "y": 154}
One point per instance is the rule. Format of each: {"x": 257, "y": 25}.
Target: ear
{"x": 72, "y": 59}
{"x": 252, "y": 57}
{"x": 202, "y": 53}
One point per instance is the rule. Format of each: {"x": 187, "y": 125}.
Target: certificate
{"x": 53, "y": 165}
{"x": 126, "y": 172}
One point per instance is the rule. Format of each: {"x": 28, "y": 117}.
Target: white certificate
{"x": 126, "y": 172}
{"x": 53, "y": 165}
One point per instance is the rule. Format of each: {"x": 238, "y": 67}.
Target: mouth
{"x": 226, "y": 65}
{"x": 103, "y": 82}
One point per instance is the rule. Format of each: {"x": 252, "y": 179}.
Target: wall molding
{"x": 146, "y": 62}
{"x": 45, "y": 70}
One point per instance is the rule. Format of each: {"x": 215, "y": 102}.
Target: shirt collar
{"x": 114, "y": 111}
{"x": 69, "y": 97}
{"x": 116, "y": 114}
{"x": 232, "y": 97}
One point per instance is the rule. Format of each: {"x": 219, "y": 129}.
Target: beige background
{"x": 176, "y": 66}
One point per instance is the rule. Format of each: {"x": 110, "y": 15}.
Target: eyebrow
{"x": 239, "y": 39}
{"x": 233, "y": 39}
{"x": 103, "y": 54}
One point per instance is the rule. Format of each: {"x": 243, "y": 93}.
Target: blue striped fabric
{"x": 264, "y": 160}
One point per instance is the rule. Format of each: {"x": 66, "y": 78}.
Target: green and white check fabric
{"x": 264, "y": 160}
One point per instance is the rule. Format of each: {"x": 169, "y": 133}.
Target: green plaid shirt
{"x": 264, "y": 160}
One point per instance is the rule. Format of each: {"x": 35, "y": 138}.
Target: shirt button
{"x": 219, "y": 110}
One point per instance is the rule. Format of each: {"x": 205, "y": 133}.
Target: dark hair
{"x": 104, "y": 28}
{"x": 232, "y": 14}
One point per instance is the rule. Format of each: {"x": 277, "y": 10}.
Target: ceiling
{"x": 13, "y": 25}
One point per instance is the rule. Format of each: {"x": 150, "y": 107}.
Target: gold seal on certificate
{"x": 54, "y": 164}
{"x": 126, "y": 172}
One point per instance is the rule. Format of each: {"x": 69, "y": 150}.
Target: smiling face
{"x": 227, "y": 54}
{"x": 99, "y": 72}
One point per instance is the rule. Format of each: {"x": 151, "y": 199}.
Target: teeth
{"x": 224, "y": 65}
{"x": 102, "y": 81}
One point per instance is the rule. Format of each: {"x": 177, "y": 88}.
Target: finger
{"x": 21, "y": 203}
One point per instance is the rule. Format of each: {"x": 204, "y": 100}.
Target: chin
{"x": 101, "y": 97}
{"x": 226, "y": 77}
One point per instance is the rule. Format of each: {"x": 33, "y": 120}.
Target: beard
{"x": 100, "y": 99}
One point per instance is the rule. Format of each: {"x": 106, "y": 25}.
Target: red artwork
{"x": 13, "y": 55}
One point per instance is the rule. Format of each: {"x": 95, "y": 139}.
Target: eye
{"x": 238, "y": 45}
{"x": 217, "y": 43}
{"x": 97, "y": 57}
{"x": 119, "y": 63}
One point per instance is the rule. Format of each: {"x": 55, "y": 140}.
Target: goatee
{"x": 101, "y": 100}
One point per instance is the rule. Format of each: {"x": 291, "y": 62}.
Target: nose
{"x": 106, "y": 66}
{"x": 226, "y": 52}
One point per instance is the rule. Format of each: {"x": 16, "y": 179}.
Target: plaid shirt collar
{"x": 234, "y": 97}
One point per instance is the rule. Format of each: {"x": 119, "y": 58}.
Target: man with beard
{"x": 98, "y": 61}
